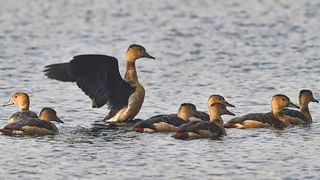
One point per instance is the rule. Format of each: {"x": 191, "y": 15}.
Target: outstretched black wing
{"x": 98, "y": 76}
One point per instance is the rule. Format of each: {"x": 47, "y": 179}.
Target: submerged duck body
{"x": 205, "y": 129}
{"x": 34, "y": 126}
{"x": 21, "y": 100}
{"x": 99, "y": 77}
{"x": 276, "y": 118}
{"x": 167, "y": 123}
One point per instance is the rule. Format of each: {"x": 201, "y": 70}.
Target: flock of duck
{"x": 98, "y": 77}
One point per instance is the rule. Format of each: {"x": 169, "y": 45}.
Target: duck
{"x": 99, "y": 78}
{"x": 34, "y": 126}
{"x": 276, "y": 118}
{"x": 305, "y": 97}
{"x": 22, "y": 100}
{"x": 212, "y": 129}
{"x": 167, "y": 123}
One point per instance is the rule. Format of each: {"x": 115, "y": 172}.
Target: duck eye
{"x": 15, "y": 96}
{"x": 220, "y": 99}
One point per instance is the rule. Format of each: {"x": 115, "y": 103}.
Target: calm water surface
{"x": 244, "y": 50}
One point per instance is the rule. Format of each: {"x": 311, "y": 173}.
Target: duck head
{"x": 305, "y": 97}
{"x": 280, "y": 101}
{"x": 136, "y": 51}
{"x": 218, "y": 99}
{"x": 49, "y": 114}
{"x": 219, "y": 109}
{"x": 187, "y": 110}
{"x": 19, "y": 99}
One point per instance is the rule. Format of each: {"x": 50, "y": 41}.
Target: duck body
{"x": 254, "y": 120}
{"x": 167, "y": 123}
{"x": 29, "y": 126}
{"x": 159, "y": 123}
{"x": 21, "y": 115}
{"x": 199, "y": 129}
{"x": 295, "y": 113}
{"x": 34, "y": 126}
{"x": 99, "y": 77}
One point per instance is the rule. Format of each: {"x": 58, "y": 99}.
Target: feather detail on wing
{"x": 97, "y": 76}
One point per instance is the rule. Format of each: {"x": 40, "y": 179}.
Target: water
{"x": 246, "y": 51}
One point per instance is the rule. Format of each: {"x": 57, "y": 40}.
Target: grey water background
{"x": 245, "y": 50}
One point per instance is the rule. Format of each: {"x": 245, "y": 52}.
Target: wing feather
{"x": 97, "y": 76}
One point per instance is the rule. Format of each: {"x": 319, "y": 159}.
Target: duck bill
{"x": 9, "y": 103}
{"x": 230, "y": 113}
{"x": 146, "y": 55}
{"x": 58, "y": 120}
{"x": 314, "y": 100}
{"x": 229, "y": 105}
{"x": 292, "y": 105}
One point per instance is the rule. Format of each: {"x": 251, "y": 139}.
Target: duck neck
{"x": 216, "y": 119}
{"x": 305, "y": 111}
{"x": 131, "y": 73}
{"x": 279, "y": 115}
{"x": 277, "y": 112}
{"x": 184, "y": 115}
{"x": 24, "y": 106}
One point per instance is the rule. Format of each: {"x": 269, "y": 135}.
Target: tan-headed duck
{"x": 277, "y": 118}
{"x": 21, "y": 100}
{"x": 34, "y": 126}
{"x": 167, "y": 123}
{"x": 212, "y": 129}
{"x": 305, "y": 97}
{"x": 99, "y": 77}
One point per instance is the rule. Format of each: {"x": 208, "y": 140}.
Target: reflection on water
{"x": 244, "y": 51}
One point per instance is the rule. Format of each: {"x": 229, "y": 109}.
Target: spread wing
{"x": 98, "y": 76}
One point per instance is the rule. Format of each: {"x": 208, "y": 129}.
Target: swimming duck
{"x": 34, "y": 126}
{"x": 305, "y": 97}
{"x": 277, "y": 118}
{"x": 200, "y": 114}
{"x": 205, "y": 129}
{"x": 99, "y": 77}
{"x": 211, "y": 100}
{"x": 167, "y": 123}
{"x": 21, "y": 100}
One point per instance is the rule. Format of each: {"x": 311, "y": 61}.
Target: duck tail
{"x": 6, "y": 131}
{"x": 230, "y": 125}
{"x": 138, "y": 129}
{"x": 180, "y": 135}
